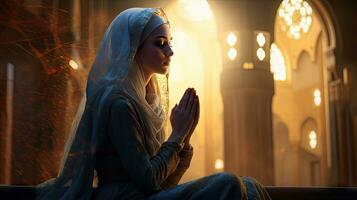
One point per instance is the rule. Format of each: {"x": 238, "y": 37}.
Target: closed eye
{"x": 162, "y": 44}
{"x": 163, "y": 41}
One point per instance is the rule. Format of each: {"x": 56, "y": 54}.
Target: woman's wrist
{"x": 177, "y": 146}
{"x": 187, "y": 149}
{"x": 174, "y": 137}
{"x": 187, "y": 146}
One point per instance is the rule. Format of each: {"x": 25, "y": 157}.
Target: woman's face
{"x": 155, "y": 53}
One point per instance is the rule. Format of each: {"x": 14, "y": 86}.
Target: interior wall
{"x": 293, "y": 103}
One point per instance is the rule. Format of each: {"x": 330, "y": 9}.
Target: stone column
{"x": 248, "y": 140}
{"x": 247, "y": 87}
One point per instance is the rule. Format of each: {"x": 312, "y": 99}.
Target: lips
{"x": 167, "y": 63}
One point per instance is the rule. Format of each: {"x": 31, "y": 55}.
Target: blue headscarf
{"x": 113, "y": 71}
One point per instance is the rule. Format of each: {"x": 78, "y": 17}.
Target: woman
{"x": 120, "y": 135}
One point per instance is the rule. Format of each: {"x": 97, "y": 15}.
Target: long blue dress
{"x": 126, "y": 170}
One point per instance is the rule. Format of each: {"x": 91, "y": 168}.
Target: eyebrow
{"x": 161, "y": 36}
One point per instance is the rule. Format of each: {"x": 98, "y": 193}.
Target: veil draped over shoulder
{"x": 113, "y": 72}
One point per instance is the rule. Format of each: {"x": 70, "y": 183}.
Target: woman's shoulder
{"x": 122, "y": 108}
{"x": 123, "y": 105}
{"x": 120, "y": 102}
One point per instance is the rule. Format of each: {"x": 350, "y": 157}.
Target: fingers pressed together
{"x": 189, "y": 101}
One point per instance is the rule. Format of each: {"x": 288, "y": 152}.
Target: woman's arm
{"x": 185, "y": 161}
{"x": 187, "y": 152}
{"x": 146, "y": 172}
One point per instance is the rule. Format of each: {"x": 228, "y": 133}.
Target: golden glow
{"x": 248, "y": 65}
{"x": 190, "y": 68}
{"x": 197, "y": 10}
{"x": 295, "y": 16}
{"x": 261, "y": 54}
{"x": 277, "y": 63}
{"x": 261, "y": 39}
{"x": 231, "y": 39}
{"x": 180, "y": 44}
{"x": 317, "y": 97}
{"x": 219, "y": 164}
{"x": 312, "y": 139}
{"x": 73, "y": 64}
{"x": 232, "y": 53}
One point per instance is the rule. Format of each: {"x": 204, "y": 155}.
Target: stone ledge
{"x": 277, "y": 193}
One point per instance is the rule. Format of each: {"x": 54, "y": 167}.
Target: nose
{"x": 169, "y": 52}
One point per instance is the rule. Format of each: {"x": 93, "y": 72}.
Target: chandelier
{"x": 295, "y": 17}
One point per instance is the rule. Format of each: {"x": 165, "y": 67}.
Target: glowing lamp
{"x": 317, "y": 97}
{"x": 73, "y": 64}
{"x": 312, "y": 139}
{"x": 219, "y": 165}
{"x": 232, "y": 53}
{"x": 231, "y": 39}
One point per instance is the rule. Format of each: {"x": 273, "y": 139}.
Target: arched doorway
{"x": 303, "y": 63}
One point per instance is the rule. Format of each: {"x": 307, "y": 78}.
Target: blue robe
{"x": 126, "y": 170}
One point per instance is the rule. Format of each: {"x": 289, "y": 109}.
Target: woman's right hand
{"x": 183, "y": 116}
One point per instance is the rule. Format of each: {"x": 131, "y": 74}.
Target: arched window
{"x": 277, "y": 63}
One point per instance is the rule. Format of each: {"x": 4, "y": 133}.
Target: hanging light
{"x": 297, "y": 16}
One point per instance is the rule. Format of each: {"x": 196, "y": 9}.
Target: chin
{"x": 164, "y": 70}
